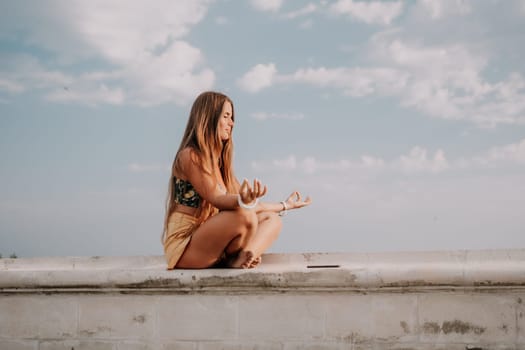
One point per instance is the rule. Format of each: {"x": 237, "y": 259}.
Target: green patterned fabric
{"x": 185, "y": 194}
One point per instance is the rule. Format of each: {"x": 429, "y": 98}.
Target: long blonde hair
{"x": 209, "y": 151}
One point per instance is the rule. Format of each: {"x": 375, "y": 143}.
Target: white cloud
{"x": 306, "y": 10}
{"x": 171, "y": 76}
{"x": 287, "y": 116}
{"x": 267, "y": 5}
{"x": 512, "y": 154}
{"x": 289, "y": 163}
{"x": 444, "y": 8}
{"x": 10, "y": 86}
{"x": 23, "y": 72}
{"x": 143, "y": 59}
{"x": 441, "y": 78}
{"x": 454, "y": 86}
{"x": 89, "y": 88}
{"x": 417, "y": 161}
{"x": 371, "y": 12}
{"x": 443, "y": 81}
{"x": 311, "y": 164}
{"x": 306, "y": 24}
{"x": 143, "y": 168}
{"x": 221, "y": 20}
{"x": 503, "y": 103}
{"x": 257, "y": 78}
{"x": 452, "y": 65}
{"x": 353, "y": 81}
{"x": 117, "y": 30}
{"x": 122, "y": 31}
{"x": 89, "y": 96}
{"x": 372, "y": 162}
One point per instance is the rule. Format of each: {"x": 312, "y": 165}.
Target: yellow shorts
{"x": 178, "y": 235}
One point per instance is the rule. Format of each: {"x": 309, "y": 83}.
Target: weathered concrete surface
{"x": 410, "y": 300}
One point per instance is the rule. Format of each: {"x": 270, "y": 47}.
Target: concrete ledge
{"x": 412, "y": 300}
{"x": 406, "y": 271}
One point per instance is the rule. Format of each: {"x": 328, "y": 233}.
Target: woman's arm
{"x": 207, "y": 186}
{"x": 293, "y": 201}
{"x": 269, "y": 206}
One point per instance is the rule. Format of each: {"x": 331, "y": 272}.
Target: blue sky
{"x": 404, "y": 120}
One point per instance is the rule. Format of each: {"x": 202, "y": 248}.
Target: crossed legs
{"x": 241, "y": 234}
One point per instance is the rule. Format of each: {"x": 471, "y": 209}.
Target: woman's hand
{"x": 249, "y": 194}
{"x": 294, "y": 201}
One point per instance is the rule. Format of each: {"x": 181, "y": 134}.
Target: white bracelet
{"x": 247, "y": 206}
{"x": 283, "y": 212}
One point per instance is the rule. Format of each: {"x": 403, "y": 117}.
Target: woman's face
{"x": 226, "y": 122}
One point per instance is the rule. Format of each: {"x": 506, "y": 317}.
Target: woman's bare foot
{"x": 244, "y": 260}
{"x": 255, "y": 262}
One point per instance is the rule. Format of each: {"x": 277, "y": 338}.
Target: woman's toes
{"x": 243, "y": 260}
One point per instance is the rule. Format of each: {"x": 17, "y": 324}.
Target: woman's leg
{"x": 268, "y": 228}
{"x": 228, "y": 231}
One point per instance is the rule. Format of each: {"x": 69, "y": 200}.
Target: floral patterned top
{"x": 185, "y": 194}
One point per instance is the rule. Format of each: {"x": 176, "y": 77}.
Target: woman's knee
{"x": 277, "y": 221}
{"x": 247, "y": 219}
{"x": 272, "y": 219}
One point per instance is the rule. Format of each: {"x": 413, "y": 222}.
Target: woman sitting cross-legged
{"x": 211, "y": 219}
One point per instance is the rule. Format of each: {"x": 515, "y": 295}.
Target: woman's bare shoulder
{"x": 188, "y": 156}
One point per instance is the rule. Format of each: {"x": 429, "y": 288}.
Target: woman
{"x": 211, "y": 219}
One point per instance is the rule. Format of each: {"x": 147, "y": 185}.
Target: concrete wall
{"x": 414, "y": 300}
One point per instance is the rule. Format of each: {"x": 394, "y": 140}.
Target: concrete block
{"x": 398, "y": 269}
{"x": 429, "y": 346}
{"x": 369, "y": 346}
{"x": 411, "y": 346}
{"x": 520, "y": 319}
{"x": 427, "y": 301}
{"x": 379, "y": 317}
{"x": 128, "y": 317}
{"x": 240, "y": 345}
{"x": 349, "y": 318}
{"x": 75, "y": 345}
{"x": 467, "y": 318}
{"x": 394, "y": 317}
{"x": 140, "y": 345}
{"x": 316, "y": 346}
{"x": 181, "y": 345}
{"x": 38, "y": 317}
{"x": 18, "y": 344}
{"x": 301, "y": 260}
{"x": 276, "y": 317}
{"x": 197, "y": 317}
{"x": 493, "y": 267}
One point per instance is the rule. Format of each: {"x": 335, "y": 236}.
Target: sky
{"x": 403, "y": 120}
